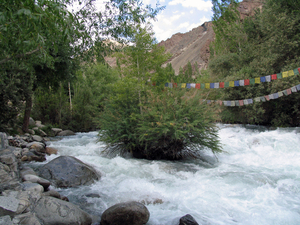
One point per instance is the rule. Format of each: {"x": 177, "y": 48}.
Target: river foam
{"x": 255, "y": 181}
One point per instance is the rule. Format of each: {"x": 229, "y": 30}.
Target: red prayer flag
{"x": 299, "y": 69}
{"x": 221, "y": 85}
{"x": 267, "y": 97}
{"x": 198, "y": 85}
{"x": 274, "y": 77}
{"x": 174, "y": 84}
{"x": 241, "y": 102}
{"x": 289, "y": 91}
{"x": 246, "y": 82}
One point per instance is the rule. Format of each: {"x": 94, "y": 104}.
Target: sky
{"x": 179, "y": 16}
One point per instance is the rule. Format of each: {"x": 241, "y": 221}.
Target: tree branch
{"x": 20, "y": 55}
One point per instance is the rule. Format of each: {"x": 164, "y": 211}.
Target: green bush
{"x": 172, "y": 124}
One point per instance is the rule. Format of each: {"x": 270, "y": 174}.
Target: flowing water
{"x": 256, "y": 180}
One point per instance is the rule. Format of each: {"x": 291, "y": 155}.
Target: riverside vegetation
{"x": 65, "y": 76}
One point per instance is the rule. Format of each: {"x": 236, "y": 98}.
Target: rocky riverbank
{"x": 30, "y": 197}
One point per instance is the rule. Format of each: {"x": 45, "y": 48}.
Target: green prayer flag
{"x": 279, "y": 75}
{"x": 226, "y": 84}
{"x": 202, "y": 85}
{"x": 252, "y": 80}
{"x": 296, "y": 72}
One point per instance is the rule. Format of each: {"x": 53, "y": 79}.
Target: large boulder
{"x": 127, "y": 213}
{"x": 67, "y": 171}
{"x": 54, "y": 211}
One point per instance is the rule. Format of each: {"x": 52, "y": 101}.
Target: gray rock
{"x": 26, "y": 218}
{"x": 56, "y": 130}
{"x": 36, "y": 179}
{"x": 5, "y": 220}
{"x": 67, "y": 171}
{"x": 27, "y": 170}
{"x": 3, "y": 141}
{"x": 33, "y": 156}
{"x": 52, "y": 193}
{"x": 38, "y": 146}
{"x": 54, "y": 211}
{"x": 66, "y": 133}
{"x": 37, "y": 138}
{"x": 187, "y": 220}
{"x": 13, "y": 203}
{"x": 31, "y": 122}
{"x": 128, "y": 213}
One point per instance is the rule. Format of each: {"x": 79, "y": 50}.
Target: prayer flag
{"x": 262, "y": 98}
{"x": 188, "y": 85}
{"x": 279, "y": 75}
{"x": 299, "y": 69}
{"x": 285, "y": 92}
{"x": 207, "y": 85}
{"x": 252, "y": 81}
{"x": 285, "y": 74}
{"x": 289, "y": 91}
{"x": 271, "y": 96}
{"x": 183, "y": 85}
{"x": 294, "y": 89}
{"x": 280, "y": 94}
{"x": 236, "y": 83}
{"x": 267, "y": 97}
{"x": 291, "y": 73}
{"x": 166, "y": 84}
{"x": 216, "y": 85}
{"x": 298, "y": 87}
{"x": 170, "y": 85}
{"x": 202, "y": 85}
{"x": 198, "y": 85}
{"x": 222, "y": 85}
{"x": 241, "y": 102}
{"x": 257, "y": 80}
{"x": 220, "y": 102}
{"x": 296, "y": 71}
{"x": 231, "y": 83}
{"x": 226, "y": 84}
{"x": 208, "y": 101}
{"x": 232, "y": 103}
{"x": 268, "y": 78}
{"x": 250, "y": 101}
{"x": 242, "y": 82}
{"x": 237, "y": 103}
{"x": 245, "y": 102}
{"x": 175, "y": 85}
{"x": 276, "y": 95}
{"x": 257, "y": 99}
{"x": 247, "y": 82}
{"x": 193, "y": 85}
{"x": 274, "y": 77}
{"x": 262, "y": 79}
{"x": 153, "y": 84}
{"x": 212, "y": 85}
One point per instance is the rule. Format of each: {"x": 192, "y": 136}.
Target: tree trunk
{"x": 27, "y": 112}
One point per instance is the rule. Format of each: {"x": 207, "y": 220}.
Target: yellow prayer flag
{"x": 183, "y": 85}
{"x": 231, "y": 83}
{"x": 291, "y": 73}
{"x": 207, "y": 85}
{"x": 285, "y": 74}
{"x": 257, "y": 80}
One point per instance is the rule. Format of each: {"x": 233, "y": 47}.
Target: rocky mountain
{"x": 193, "y": 46}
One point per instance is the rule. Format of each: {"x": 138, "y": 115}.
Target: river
{"x": 254, "y": 181}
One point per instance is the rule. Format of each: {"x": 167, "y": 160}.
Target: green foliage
{"x": 262, "y": 45}
{"x": 172, "y": 125}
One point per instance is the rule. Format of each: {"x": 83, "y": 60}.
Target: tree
{"x": 149, "y": 122}
{"x": 32, "y": 34}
